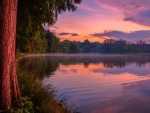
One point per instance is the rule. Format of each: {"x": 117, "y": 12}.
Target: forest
{"x": 47, "y": 42}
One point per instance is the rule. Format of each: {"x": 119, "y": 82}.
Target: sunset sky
{"x": 97, "y": 20}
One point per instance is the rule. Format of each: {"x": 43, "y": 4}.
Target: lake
{"x": 96, "y": 83}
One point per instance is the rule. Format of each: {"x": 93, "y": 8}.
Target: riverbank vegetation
{"x": 36, "y": 97}
{"x": 43, "y": 99}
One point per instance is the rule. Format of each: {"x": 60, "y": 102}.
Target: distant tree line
{"x": 47, "y": 42}
{"x": 108, "y": 46}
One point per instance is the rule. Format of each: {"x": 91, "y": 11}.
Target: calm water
{"x": 97, "y": 83}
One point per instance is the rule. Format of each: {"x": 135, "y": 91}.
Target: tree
{"x": 65, "y": 46}
{"x": 8, "y": 80}
{"x": 86, "y": 49}
{"x": 30, "y": 19}
{"x": 74, "y": 47}
{"x": 37, "y": 43}
{"x": 53, "y": 42}
{"x": 108, "y": 45}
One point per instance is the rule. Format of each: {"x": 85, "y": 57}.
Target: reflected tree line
{"x": 39, "y": 66}
{"x": 47, "y": 42}
{"x": 42, "y": 66}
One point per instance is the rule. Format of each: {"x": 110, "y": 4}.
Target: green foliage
{"x": 53, "y": 42}
{"x": 67, "y": 46}
{"x": 32, "y": 15}
{"x": 18, "y": 55}
{"x": 108, "y": 46}
{"x": 36, "y": 43}
{"x": 41, "y": 96}
{"x": 26, "y": 106}
{"x": 86, "y": 49}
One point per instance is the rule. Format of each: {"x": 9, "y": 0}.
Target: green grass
{"x": 41, "y": 96}
{"x": 18, "y": 54}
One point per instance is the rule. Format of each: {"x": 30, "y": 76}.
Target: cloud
{"x": 74, "y": 70}
{"x": 63, "y": 33}
{"x": 66, "y": 33}
{"x": 135, "y": 11}
{"x": 74, "y": 34}
{"x": 131, "y": 36}
{"x": 92, "y": 8}
{"x": 87, "y": 8}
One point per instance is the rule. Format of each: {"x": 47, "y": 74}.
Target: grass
{"x": 39, "y": 98}
{"x": 18, "y": 55}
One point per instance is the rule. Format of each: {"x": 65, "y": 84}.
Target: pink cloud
{"x": 129, "y": 36}
{"x": 134, "y": 11}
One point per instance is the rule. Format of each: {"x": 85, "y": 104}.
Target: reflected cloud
{"x": 74, "y": 70}
{"x": 132, "y": 69}
{"x": 131, "y": 100}
{"x": 64, "y": 71}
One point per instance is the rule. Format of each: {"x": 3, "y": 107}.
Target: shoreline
{"x": 79, "y": 54}
{"x": 54, "y": 102}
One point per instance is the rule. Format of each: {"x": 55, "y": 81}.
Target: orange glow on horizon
{"x": 85, "y": 31}
{"x": 81, "y": 39}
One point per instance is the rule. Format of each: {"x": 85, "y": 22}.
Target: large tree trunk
{"x": 9, "y": 90}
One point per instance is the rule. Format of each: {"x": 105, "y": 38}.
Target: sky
{"x": 97, "y": 20}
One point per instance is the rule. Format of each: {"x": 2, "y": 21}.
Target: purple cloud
{"x": 131, "y": 36}
{"x": 74, "y": 34}
{"x": 145, "y": 14}
{"x": 65, "y": 33}
{"x": 135, "y": 11}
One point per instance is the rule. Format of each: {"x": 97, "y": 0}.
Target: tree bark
{"x": 9, "y": 90}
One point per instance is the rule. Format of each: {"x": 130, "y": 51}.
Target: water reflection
{"x": 40, "y": 66}
{"x": 97, "y": 83}
{"x": 132, "y": 68}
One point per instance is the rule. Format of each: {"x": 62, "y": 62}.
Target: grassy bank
{"x": 39, "y": 98}
{"x": 19, "y": 55}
